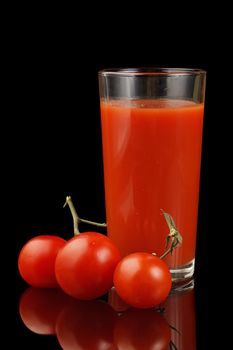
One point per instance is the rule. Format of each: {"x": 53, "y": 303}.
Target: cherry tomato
{"x": 142, "y": 329}
{"x": 84, "y": 267}
{"x": 37, "y": 260}
{"x": 86, "y": 325}
{"x": 142, "y": 280}
{"x": 39, "y": 309}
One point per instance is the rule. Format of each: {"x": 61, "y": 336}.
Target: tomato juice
{"x": 152, "y": 156}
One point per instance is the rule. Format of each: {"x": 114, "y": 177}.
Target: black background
{"x": 55, "y": 138}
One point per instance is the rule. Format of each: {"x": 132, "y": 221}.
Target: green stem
{"x": 92, "y": 223}
{"x": 74, "y": 214}
{"x": 169, "y": 250}
{"x": 174, "y": 238}
{"x": 77, "y": 219}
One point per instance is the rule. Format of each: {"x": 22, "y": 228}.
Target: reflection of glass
{"x": 152, "y": 134}
{"x": 179, "y": 311}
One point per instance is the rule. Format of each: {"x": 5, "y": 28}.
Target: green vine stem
{"x": 77, "y": 219}
{"x": 174, "y": 238}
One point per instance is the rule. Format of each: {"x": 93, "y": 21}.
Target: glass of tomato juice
{"x": 152, "y": 122}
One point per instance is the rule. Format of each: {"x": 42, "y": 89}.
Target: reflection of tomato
{"x": 142, "y": 330}
{"x": 39, "y": 309}
{"x": 86, "y": 325}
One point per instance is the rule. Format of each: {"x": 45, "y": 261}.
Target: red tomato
{"x": 39, "y": 309}
{"x": 86, "y": 325}
{"x": 142, "y": 329}
{"x": 84, "y": 267}
{"x": 37, "y": 259}
{"x": 142, "y": 280}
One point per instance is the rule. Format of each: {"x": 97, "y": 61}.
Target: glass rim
{"x": 151, "y": 71}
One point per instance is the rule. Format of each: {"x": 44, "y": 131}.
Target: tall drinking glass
{"x": 152, "y": 135}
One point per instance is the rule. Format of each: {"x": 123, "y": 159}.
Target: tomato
{"x": 84, "y": 267}
{"x": 86, "y": 325}
{"x": 142, "y": 280}
{"x": 37, "y": 260}
{"x": 39, "y": 309}
{"x": 142, "y": 329}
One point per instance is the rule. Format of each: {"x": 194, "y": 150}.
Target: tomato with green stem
{"x": 84, "y": 267}
{"x": 143, "y": 280}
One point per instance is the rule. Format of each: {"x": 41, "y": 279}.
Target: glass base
{"x": 182, "y": 287}
{"x": 183, "y": 273}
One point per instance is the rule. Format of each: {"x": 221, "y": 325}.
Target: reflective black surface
{"x": 54, "y": 319}
{"x": 50, "y": 319}
{"x": 56, "y": 151}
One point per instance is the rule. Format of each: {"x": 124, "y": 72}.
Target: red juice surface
{"x": 152, "y": 155}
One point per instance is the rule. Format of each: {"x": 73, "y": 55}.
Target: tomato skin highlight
{"x": 84, "y": 267}
{"x": 142, "y": 280}
{"x": 36, "y": 261}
